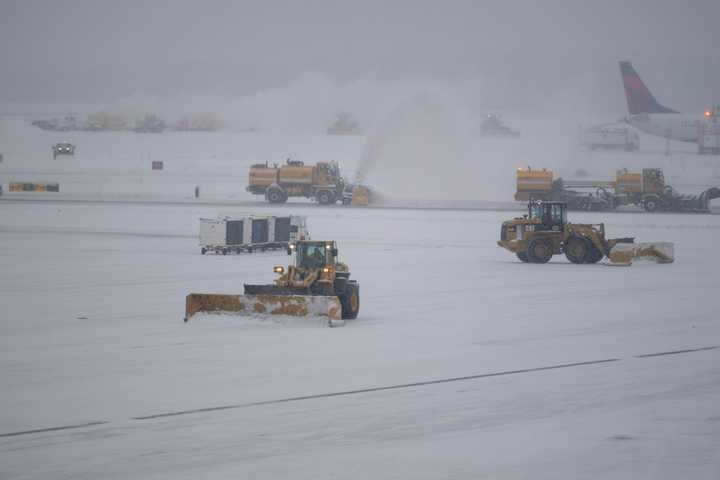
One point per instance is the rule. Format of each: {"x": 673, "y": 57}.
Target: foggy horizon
{"x": 494, "y": 54}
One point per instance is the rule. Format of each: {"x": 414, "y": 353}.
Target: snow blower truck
{"x": 545, "y": 232}
{"x": 318, "y": 284}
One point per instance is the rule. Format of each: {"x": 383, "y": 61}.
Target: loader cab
{"x": 549, "y": 215}
{"x": 314, "y": 255}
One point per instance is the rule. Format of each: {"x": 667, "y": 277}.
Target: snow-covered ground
{"x": 92, "y": 331}
{"x": 463, "y": 363}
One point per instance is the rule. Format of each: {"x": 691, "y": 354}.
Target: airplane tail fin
{"x": 639, "y": 98}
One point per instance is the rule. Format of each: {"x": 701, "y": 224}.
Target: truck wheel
{"x": 576, "y": 249}
{"x": 593, "y": 255}
{"x": 522, "y": 256}
{"x": 650, "y": 203}
{"x": 275, "y": 195}
{"x": 325, "y": 198}
{"x": 539, "y": 251}
{"x": 350, "y": 301}
{"x": 203, "y": 251}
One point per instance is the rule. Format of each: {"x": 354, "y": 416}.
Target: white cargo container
{"x": 247, "y": 234}
{"x": 709, "y": 132}
{"x": 610, "y": 136}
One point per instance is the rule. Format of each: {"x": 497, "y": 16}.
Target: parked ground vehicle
{"x": 102, "y": 121}
{"x": 34, "y": 187}
{"x": 493, "y": 127}
{"x": 647, "y": 190}
{"x": 248, "y": 234}
{"x": 344, "y": 124}
{"x": 545, "y": 232}
{"x": 321, "y": 182}
{"x": 610, "y": 136}
{"x": 63, "y": 148}
{"x": 150, "y": 123}
{"x": 709, "y": 132}
{"x": 317, "y": 284}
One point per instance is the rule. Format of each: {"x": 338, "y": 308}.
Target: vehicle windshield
{"x": 536, "y": 211}
{"x": 558, "y": 215}
{"x": 311, "y": 255}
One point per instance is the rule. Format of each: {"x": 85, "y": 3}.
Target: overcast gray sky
{"x": 97, "y": 51}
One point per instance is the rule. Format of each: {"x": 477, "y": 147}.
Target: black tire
{"x": 651, "y": 203}
{"x": 540, "y": 251}
{"x": 576, "y": 249}
{"x": 325, "y": 197}
{"x": 203, "y": 250}
{"x": 275, "y": 195}
{"x": 522, "y": 256}
{"x": 224, "y": 252}
{"x": 593, "y": 254}
{"x": 350, "y": 301}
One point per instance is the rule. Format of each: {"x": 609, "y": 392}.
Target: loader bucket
{"x": 265, "y": 304}
{"x": 623, "y": 254}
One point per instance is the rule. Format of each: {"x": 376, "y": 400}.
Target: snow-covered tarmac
{"x": 463, "y": 363}
{"x": 494, "y": 368}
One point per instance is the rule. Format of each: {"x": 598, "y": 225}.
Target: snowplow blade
{"x": 360, "y": 195}
{"x": 265, "y": 304}
{"x": 623, "y": 254}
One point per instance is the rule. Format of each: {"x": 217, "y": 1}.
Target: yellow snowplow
{"x": 356, "y": 194}
{"x": 318, "y": 284}
{"x": 545, "y": 232}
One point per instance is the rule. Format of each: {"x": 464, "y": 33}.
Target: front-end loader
{"x": 318, "y": 284}
{"x": 545, "y": 232}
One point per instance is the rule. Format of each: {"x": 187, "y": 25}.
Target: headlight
{"x": 326, "y": 269}
{"x": 279, "y": 270}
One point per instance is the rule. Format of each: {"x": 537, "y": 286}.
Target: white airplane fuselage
{"x": 676, "y": 126}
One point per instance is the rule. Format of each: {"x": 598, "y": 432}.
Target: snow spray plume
{"x": 423, "y": 151}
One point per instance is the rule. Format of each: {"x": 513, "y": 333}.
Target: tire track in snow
{"x": 677, "y": 352}
{"x": 361, "y": 391}
{"x": 52, "y": 429}
{"x": 414, "y": 384}
{"x": 375, "y": 389}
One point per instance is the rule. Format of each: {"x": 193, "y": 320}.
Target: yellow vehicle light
{"x": 279, "y": 270}
{"x": 326, "y": 270}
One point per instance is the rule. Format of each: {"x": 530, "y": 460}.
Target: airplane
{"x": 648, "y": 115}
